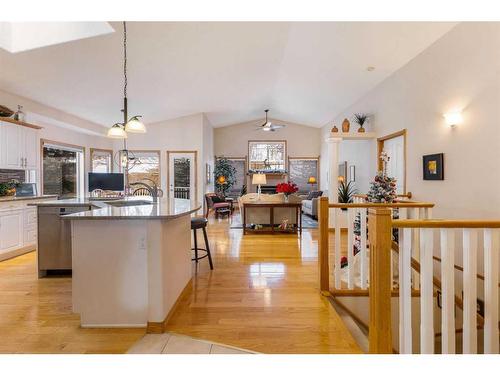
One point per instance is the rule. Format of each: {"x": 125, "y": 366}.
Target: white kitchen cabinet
{"x": 31, "y": 148}
{"x": 11, "y": 230}
{"x": 18, "y": 146}
{"x": 12, "y": 148}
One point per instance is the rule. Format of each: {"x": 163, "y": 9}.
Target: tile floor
{"x": 168, "y": 343}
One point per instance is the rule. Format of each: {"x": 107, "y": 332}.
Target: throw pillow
{"x": 217, "y": 199}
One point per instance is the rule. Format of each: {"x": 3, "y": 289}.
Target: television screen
{"x": 106, "y": 181}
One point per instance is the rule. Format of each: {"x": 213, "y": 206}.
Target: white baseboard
{"x": 17, "y": 252}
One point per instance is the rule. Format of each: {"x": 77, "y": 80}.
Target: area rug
{"x": 307, "y": 222}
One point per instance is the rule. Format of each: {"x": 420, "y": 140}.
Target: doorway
{"x": 395, "y": 146}
{"x": 182, "y": 174}
{"x": 62, "y": 169}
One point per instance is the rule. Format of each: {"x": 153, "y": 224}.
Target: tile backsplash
{"x": 8, "y": 174}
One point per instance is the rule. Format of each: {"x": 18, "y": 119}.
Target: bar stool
{"x": 201, "y": 223}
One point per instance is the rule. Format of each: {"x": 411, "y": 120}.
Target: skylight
{"x": 23, "y": 36}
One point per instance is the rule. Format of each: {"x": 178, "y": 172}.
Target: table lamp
{"x": 259, "y": 179}
{"x": 312, "y": 181}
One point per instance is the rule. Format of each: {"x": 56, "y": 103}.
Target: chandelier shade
{"x": 117, "y": 131}
{"x": 134, "y": 125}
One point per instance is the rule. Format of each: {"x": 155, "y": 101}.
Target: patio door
{"x": 181, "y": 178}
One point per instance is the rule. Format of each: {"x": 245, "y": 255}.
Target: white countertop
{"x": 164, "y": 209}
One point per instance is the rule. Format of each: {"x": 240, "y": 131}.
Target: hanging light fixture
{"x": 117, "y": 131}
{"x": 134, "y": 124}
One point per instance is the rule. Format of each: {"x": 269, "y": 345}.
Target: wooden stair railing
{"x": 353, "y": 209}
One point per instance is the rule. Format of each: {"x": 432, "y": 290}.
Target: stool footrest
{"x": 203, "y": 256}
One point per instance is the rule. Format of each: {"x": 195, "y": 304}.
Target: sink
{"x": 128, "y": 203}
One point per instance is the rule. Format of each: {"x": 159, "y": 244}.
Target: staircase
{"x": 419, "y": 302}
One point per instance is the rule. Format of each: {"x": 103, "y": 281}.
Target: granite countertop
{"x": 14, "y": 198}
{"x": 164, "y": 209}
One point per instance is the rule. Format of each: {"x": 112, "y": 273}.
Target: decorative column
{"x": 333, "y": 173}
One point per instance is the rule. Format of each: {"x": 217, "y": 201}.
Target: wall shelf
{"x": 20, "y": 123}
{"x": 366, "y": 135}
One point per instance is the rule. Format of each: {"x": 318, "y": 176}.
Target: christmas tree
{"x": 383, "y": 188}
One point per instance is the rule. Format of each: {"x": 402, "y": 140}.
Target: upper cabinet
{"x": 18, "y": 146}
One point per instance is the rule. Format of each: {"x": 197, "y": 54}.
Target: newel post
{"x": 324, "y": 282}
{"x": 380, "y": 238}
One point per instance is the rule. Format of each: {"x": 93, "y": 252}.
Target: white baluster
{"x": 491, "y": 261}
{"x": 337, "y": 268}
{"x": 427, "y": 213}
{"x": 470, "y": 291}
{"x": 350, "y": 258}
{"x": 405, "y": 332}
{"x": 426, "y": 292}
{"x": 448, "y": 290}
{"x": 416, "y": 251}
{"x": 363, "y": 259}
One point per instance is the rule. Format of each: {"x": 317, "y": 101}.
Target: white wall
{"x": 459, "y": 71}
{"x": 181, "y": 134}
{"x": 60, "y": 126}
{"x": 208, "y": 154}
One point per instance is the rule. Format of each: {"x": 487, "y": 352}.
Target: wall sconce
{"x": 453, "y": 118}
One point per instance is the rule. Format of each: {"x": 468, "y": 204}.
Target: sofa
{"x": 310, "y": 203}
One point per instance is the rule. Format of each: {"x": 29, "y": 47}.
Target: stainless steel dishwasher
{"x": 54, "y": 238}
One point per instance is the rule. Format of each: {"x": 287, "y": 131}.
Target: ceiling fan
{"x": 267, "y": 126}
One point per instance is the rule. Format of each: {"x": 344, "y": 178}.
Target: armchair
{"x": 217, "y": 203}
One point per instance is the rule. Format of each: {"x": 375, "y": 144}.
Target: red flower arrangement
{"x": 287, "y": 188}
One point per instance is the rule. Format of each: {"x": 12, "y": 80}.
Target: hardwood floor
{"x": 262, "y": 296}
{"x": 36, "y": 317}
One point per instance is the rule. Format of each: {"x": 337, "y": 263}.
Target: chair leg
{"x": 195, "y": 246}
{"x": 208, "y": 249}
{"x": 208, "y": 212}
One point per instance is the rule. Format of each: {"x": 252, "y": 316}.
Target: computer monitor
{"x": 106, "y": 181}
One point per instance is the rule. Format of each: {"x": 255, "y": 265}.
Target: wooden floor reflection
{"x": 261, "y": 296}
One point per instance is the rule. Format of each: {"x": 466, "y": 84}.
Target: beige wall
{"x": 233, "y": 140}
{"x": 459, "y": 71}
{"x": 181, "y": 134}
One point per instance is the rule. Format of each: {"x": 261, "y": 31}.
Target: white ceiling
{"x": 304, "y": 72}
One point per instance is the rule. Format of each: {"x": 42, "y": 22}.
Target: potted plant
{"x": 287, "y": 188}
{"x": 346, "y": 192}
{"x": 225, "y": 175}
{"x": 360, "y": 119}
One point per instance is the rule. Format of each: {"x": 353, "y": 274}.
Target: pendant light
{"x": 134, "y": 124}
{"x": 117, "y": 132}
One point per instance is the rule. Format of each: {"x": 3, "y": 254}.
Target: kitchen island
{"x": 131, "y": 260}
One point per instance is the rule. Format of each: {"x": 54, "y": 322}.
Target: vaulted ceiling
{"x": 304, "y": 72}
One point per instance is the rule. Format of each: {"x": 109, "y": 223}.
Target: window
{"x": 62, "y": 169}
{"x": 267, "y": 156}
{"x": 146, "y": 164}
{"x": 101, "y": 160}
{"x": 300, "y": 171}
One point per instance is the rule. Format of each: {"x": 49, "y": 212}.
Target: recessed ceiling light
{"x": 370, "y": 68}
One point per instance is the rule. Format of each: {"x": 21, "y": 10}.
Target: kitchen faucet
{"x": 153, "y": 190}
